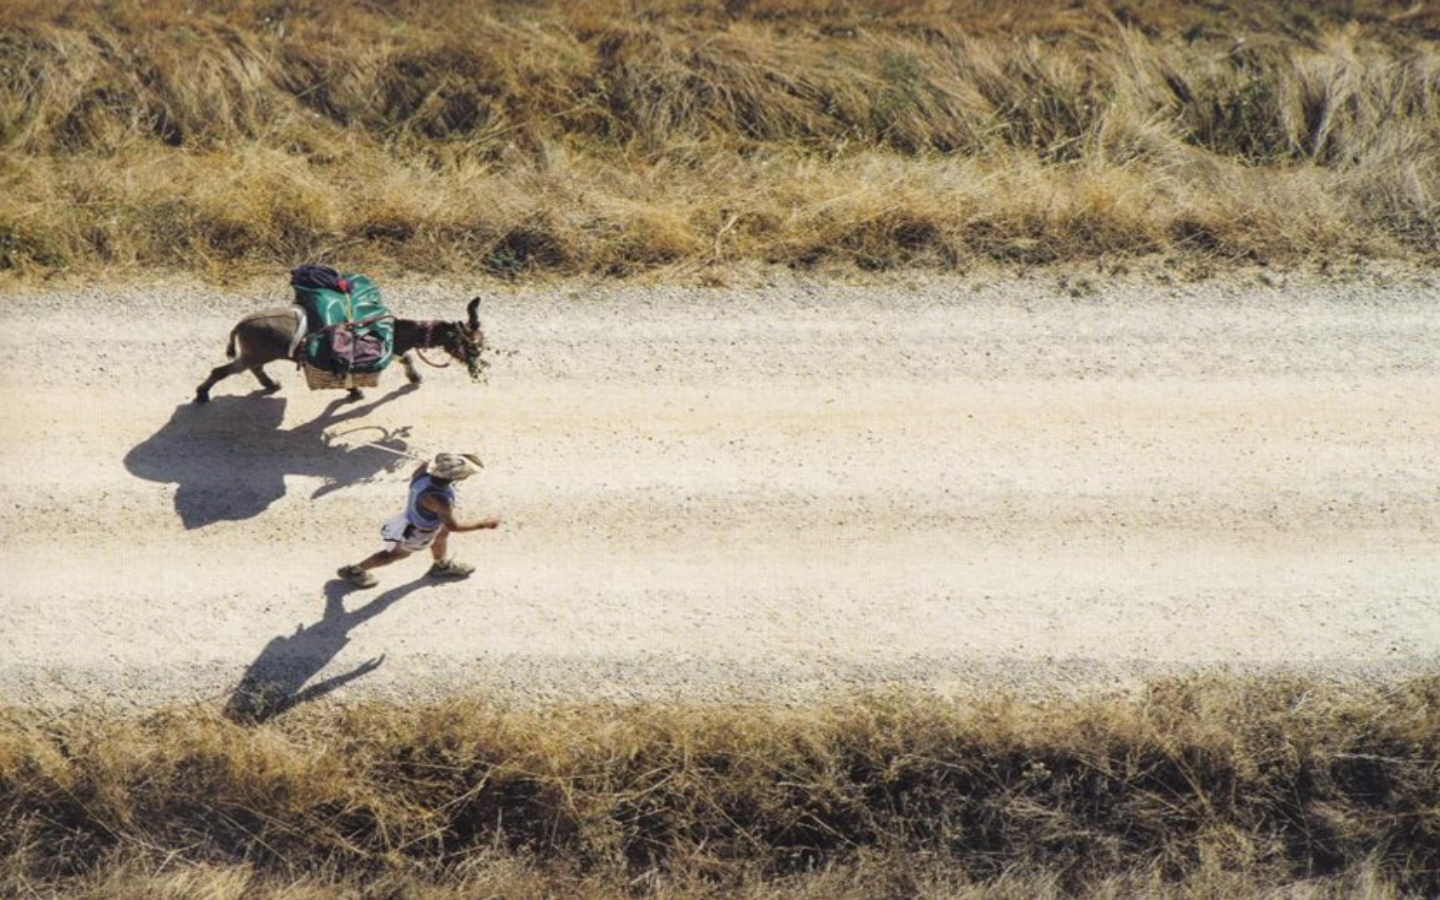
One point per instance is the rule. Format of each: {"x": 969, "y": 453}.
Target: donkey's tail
{"x": 230, "y": 345}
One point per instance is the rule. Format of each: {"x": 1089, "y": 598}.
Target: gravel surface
{"x": 776, "y": 490}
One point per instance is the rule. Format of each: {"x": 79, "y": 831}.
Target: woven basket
{"x": 320, "y": 380}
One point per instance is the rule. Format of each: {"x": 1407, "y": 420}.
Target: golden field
{"x": 679, "y": 138}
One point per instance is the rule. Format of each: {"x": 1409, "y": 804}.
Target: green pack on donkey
{"x": 349, "y": 335}
{"x": 341, "y": 333}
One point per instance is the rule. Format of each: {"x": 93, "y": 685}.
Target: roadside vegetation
{"x": 1195, "y": 787}
{"x": 678, "y": 138}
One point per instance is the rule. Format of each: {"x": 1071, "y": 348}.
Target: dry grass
{"x": 1194, "y": 788}
{"x": 627, "y": 136}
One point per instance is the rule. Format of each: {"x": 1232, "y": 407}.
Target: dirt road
{"x": 762, "y": 491}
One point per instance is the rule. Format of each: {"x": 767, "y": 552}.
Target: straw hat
{"x": 455, "y": 466}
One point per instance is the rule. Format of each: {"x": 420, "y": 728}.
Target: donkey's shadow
{"x": 229, "y": 458}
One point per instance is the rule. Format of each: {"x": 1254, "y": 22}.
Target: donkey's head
{"x": 464, "y": 341}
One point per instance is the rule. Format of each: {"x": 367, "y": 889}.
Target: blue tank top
{"x": 422, "y": 518}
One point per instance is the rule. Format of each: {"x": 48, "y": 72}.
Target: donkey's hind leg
{"x": 412, "y": 374}
{"x": 202, "y": 393}
{"x": 266, "y": 382}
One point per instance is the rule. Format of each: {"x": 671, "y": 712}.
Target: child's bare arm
{"x": 442, "y": 508}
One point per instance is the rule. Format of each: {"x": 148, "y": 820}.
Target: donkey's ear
{"x": 473, "y": 311}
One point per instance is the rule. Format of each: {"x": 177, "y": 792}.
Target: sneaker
{"x": 451, "y": 569}
{"x": 357, "y": 576}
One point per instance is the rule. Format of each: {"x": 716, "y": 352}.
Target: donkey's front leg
{"x": 412, "y": 374}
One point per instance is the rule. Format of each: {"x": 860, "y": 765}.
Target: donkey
{"x": 268, "y": 335}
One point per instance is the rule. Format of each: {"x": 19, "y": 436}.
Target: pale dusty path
{"x": 750, "y": 492}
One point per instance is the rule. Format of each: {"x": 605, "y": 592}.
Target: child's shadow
{"x": 275, "y": 681}
{"x": 229, "y": 458}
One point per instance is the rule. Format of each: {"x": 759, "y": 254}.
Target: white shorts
{"x": 399, "y": 534}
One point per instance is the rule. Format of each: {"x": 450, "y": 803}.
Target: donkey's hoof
{"x": 355, "y": 394}
{"x": 270, "y": 389}
{"x": 201, "y": 397}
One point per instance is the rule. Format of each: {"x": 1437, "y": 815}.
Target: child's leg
{"x": 359, "y": 573}
{"x": 381, "y": 558}
{"x": 395, "y": 534}
{"x": 444, "y": 567}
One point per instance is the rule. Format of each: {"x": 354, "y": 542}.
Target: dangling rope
{"x": 425, "y": 342}
{"x": 397, "y": 434}
{"x": 444, "y": 365}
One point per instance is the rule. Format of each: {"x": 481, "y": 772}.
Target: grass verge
{"x": 1194, "y": 787}
{"x": 622, "y": 137}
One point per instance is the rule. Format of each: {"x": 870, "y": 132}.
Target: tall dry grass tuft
{"x": 1191, "y": 786}
{"x": 621, "y": 137}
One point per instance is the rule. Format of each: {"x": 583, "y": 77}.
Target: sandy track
{"x": 762, "y": 492}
